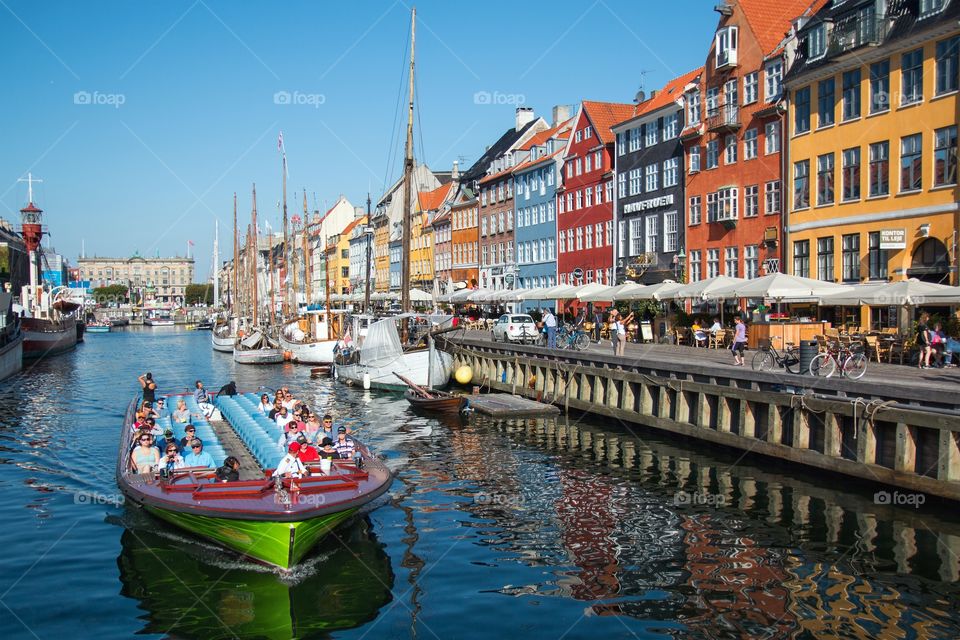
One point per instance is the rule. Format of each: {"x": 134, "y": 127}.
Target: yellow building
{"x": 428, "y": 206}
{"x": 871, "y": 131}
{"x": 338, "y": 258}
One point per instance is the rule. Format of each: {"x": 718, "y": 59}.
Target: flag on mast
{"x": 280, "y": 143}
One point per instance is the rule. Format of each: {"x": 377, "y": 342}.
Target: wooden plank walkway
{"x": 503, "y": 405}
{"x": 249, "y": 468}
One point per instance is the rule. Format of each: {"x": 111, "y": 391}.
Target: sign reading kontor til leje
{"x": 893, "y": 238}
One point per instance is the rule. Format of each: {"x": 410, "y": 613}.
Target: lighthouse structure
{"x": 31, "y": 219}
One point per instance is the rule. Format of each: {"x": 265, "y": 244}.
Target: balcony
{"x": 724, "y": 118}
{"x": 856, "y": 31}
{"x": 726, "y": 59}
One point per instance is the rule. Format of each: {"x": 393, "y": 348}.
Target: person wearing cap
{"x": 290, "y": 465}
{"x": 168, "y": 441}
{"x": 308, "y": 453}
{"x": 191, "y": 432}
{"x": 197, "y": 456}
{"x": 344, "y": 444}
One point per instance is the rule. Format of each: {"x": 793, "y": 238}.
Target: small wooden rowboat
{"x": 431, "y": 399}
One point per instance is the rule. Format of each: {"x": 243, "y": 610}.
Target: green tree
{"x": 199, "y": 293}
{"x": 110, "y": 294}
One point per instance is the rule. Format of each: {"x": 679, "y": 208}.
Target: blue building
{"x": 396, "y": 261}
{"x": 535, "y": 202}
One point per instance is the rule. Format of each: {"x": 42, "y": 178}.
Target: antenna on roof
{"x": 641, "y": 95}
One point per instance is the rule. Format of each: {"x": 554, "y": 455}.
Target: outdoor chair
{"x": 877, "y": 348}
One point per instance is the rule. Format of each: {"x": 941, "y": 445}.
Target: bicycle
{"x": 852, "y": 364}
{"x": 539, "y": 338}
{"x": 572, "y": 337}
{"x": 769, "y": 357}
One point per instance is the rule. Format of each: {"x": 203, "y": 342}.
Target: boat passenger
{"x": 326, "y": 430}
{"x": 203, "y": 400}
{"x": 345, "y": 446}
{"x": 168, "y": 441}
{"x": 308, "y": 452}
{"x": 149, "y": 387}
{"x": 172, "y": 459}
{"x": 145, "y": 457}
{"x": 230, "y": 471}
{"x": 197, "y": 456}
{"x": 151, "y": 424}
{"x": 181, "y": 414}
{"x": 265, "y": 405}
{"x": 191, "y": 432}
{"x": 283, "y": 417}
{"x": 327, "y": 451}
{"x": 312, "y": 427}
{"x": 290, "y": 465}
{"x": 147, "y": 410}
{"x": 161, "y": 409}
{"x": 229, "y": 389}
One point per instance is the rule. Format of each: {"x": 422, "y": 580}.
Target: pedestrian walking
{"x": 550, "y": 324}
{"x": 739, "y": 341}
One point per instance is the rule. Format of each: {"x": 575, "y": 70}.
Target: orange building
{"x": 465, "y": 240}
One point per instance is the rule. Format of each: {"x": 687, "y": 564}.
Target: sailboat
{"x": 225, "y": 328}
{"x": 382, "y": 353}
{"x": 47, "y": 325}
{"x": 253, "y": 347}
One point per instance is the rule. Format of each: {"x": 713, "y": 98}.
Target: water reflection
{"x": 194, "y": 591}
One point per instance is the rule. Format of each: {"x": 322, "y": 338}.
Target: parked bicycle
{"x": 572, "y": 337}
{"x": 769, "y": 357}
{"x": 850, "y": 362}
{"x": 538, "y": 339}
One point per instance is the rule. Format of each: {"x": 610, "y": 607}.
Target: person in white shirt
{"x": 283, "y": 417}
{"x": 550, "y": 323}
{"x": 715, "y": 327}
{"x": 290, "y": 465}
{"x": 265, "y": 406}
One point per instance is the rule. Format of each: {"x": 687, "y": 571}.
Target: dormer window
{"x": 587, "y": 132}
{"x": 929, "y": 7}
{"x": 726, "y": 47}
{"x": 817, "y": 42}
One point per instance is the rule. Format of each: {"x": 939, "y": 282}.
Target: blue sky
{"x": 143, "y": 118}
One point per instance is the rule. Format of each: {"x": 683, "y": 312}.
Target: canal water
{"x": 553, "y": 528}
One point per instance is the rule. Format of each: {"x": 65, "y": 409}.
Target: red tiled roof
{"x": 494, "y": 176}
{"x": 542, "y": 137}
{"x": 353, "y": 223}
{"x": 770, "y": 21}
{"x": 430, "y": 200}
{"x": 604, "y": 115}
{"x": 530, "y": 163}
{"x": 670, "y": 92}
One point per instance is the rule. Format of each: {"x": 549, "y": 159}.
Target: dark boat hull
{"x": 43, "y": 338}
{"x": 444, "y": 403}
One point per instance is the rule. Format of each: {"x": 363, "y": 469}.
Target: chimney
{"x": 561, "y": 113}
{"x": 524, "y": 117}
{"x": 653, "y": 94}
{"x": 455, "y": 172}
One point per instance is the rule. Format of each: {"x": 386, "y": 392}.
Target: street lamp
{"x": 679, "y": 260}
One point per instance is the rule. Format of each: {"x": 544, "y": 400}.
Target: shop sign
{"x": 893, "y": 239}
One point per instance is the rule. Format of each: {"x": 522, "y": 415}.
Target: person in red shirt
{"x": 308, "y": 453}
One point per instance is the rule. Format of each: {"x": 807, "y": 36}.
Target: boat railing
{"x": 200, "y": 488}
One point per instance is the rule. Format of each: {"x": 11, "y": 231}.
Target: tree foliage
{"x": 112, "y": 293}
{"x": 199, "y": 294}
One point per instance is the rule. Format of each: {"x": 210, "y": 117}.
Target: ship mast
{"x": 306, "y": 255}
{"x": 286, "y": 243}
{"x": 216, "y": 263}
{"x": 236, "y": 261}
{"x": 407, "y": 173}
{"x": 256, "y": 251}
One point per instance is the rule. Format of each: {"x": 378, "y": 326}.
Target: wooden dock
{"x": 504, "y": 405}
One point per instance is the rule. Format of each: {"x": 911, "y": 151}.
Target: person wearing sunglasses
{"x": 172, "y": 458}
{"x": 145, "y": 457}
{"x": 185, "y": 441}
{"x": 197, "y": 456}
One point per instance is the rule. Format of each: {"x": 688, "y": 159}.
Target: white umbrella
{"x": 660, "y": 291}
{"x": 778, "y": 286}
{"x": 590, "y": 292}
{"x": 534, "y": 294}
{"x": 463, "y": 295}
{"x": 418, "y": 295}
{"x": 910, "y": 293}
{"x": 700, "y": 289}
{"x": 560, "y": 292}
{"x": 513, "y": 295}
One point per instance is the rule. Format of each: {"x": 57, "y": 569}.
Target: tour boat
{"x": 158, "y": 320}
{"x": 302, "y": 339}
{"x": 274, "y": 521}
{"x": 47, "y": 329}
{"x": 254, "y": 349}
{"x": 374, "y": 362}
{"x": 98, "y": 327}
{"x": 11, "y": 339}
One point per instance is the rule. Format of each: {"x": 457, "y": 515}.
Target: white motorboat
{"x": 381, "y": 354}
{"x": 305, "y": 339}
{"x": 224, "y": 335}
{"x": 254, "y": 349}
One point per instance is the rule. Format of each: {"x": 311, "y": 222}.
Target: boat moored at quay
{"x": 275, "y": 521}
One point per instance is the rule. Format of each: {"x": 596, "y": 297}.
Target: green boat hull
{"x": 282, "y": 544}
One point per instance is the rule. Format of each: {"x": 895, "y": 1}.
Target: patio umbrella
{"x": 595, "y": 292}
{"x": 909, "y": 293}
{"x": 778, "y": 286}
{"x": 513, "y": 295}
{"x": 464, "y": 295}
{"x": 609, "y": 294}
{"x": 660, "y": 291}
{"x": 560, "y": 292}
{"x": 419, "y": 295}
{"x": 534, "y": 294}
{"x": 699, "y": 290}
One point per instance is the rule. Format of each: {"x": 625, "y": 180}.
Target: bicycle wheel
{"x": 763, "y": 361}
{"x": 581, "y": 342}
{"x": 791, "y": 361}
{"x": 855, "y": 366}
{"x": 823, "y": 366}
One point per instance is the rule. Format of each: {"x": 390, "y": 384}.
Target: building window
{"x": 561, "y": 242}
{"x": 948, "y": 73}
{"x": 695, "y": 267}
{"x": 730, "y": 149}
{"x": 579, "y": 197}
{"x": 588, "y": 163}
{"x": 928, "y": 7}
{"x": 694, "y": 213}
{"x": 621, "y": 143}
{"x": 608, "y": 188}
{"x": 945, "y": 156}
{"x": 751, "y": 262}
{"x": 670, "y": 231}
{"x": 851, "y": 95}
{"x": 911, "y": 77}
{"x": 635, "y": 181}
{"x": 636, "y": 236}
{"x": 694, "y": 156}
{"x": 772, "y": 138}
{"x": 801, "y": 258}
{"x": 608, "y": 227}
{"x": 713, "y": 263}
{"x": 652, "y": 133}
{"x": 599, "y": 234}
{"x": 713, "y": 154}
{"x": 588, "y": 233}
{"x": 713, "y": 99}
{"x": 772, "y": 197}
{"x": 579, "y": 235}
{"x": 801, "y": 184}
{"x": 726, "y": 47}
{"x": 730, "y": 261}
{"x": 851, "y": 257}
{"x": 588, "y": 192}
{"x": 671, "y": 126}
{"x": 597, "y": 164}
{"x": 817, "y": 41}
{"x": 825, "y": 179}
{"x": 773, "y": 78}
{"x": 750, "y": 83}
{"x": 621, "y": 188}
{"x": 751, "y": 201}
{"x": 712, "y": 206}
{"x": 750, "y": 144}
{"x": 911, "y": 163}
{"x": 653, "y": 233}
{"x": 851, "y": 174}
{"x": 879, "y": 168}
{"x": 801, "y": 110}
{"x": 635, "y": 139}
{"x": 652, "y": 177}
{"x": 826, "y": 102}
{"x": 693, "y": 108}
{"x": 727, "y": 202}
{"x": 671, "y": 172}
{"x": 825, "y": 259}
{"x": 876, "y": 257}
{"x": 879, "y": 86}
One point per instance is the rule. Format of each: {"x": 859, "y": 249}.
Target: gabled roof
{"x": 430, "y": 200}
{"x": 769, "y": 21}
{"x": 553, "y": 132}
{"x": 669, "y": 94}
{"x": 523, "y": 166}
{"x": 507, "y": 140}
{"x": 604, "y": 115}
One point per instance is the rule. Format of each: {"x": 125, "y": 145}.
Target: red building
{"x": 732, "y": 140}
{"x": 585, "y": 197}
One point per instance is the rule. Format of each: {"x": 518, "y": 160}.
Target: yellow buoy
{"x": 464, "y": 374}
